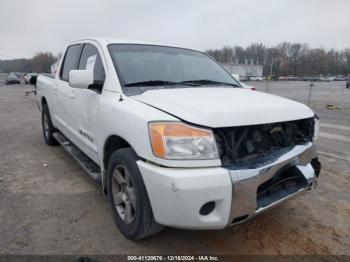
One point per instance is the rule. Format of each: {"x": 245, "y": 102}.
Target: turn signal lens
{"x": 173, "y": 140}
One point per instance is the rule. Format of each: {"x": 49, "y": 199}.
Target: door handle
{"x": 71, "y": 95}
{"x": 55, "y": 88}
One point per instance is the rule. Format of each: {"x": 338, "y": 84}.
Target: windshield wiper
{"x": 207, "y": 82}
{"x": 152, "y": 83}
{"x": 188, "y": 83}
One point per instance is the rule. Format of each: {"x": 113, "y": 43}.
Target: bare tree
{"x": 40, "y": 63}
{"x": 287, "y": 58}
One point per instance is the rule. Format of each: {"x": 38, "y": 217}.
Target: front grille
{"x": 246, "y": 143}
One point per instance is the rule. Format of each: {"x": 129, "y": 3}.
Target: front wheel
{"x": 128, "y": 197}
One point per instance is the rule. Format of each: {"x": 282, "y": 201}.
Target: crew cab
{"x": 173, "y": 138}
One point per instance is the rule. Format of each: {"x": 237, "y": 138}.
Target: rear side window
{"x": 91, "y": 60}
{"x": 70, "y": 61}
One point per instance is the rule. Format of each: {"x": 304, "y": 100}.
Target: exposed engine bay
{"x": 244, "y": 143}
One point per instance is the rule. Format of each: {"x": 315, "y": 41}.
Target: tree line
{"x": 40, "y": 63}
{"x": 284, "y": 59}
{"x": 287, "y": 58}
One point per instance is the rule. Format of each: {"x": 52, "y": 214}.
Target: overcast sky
{"x": 48, "y": 25}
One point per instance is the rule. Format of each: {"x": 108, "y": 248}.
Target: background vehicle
{"x": 283, "y": 78}
{"x": 311, "y": 78}
{"x": 11, "y": 78}
{"x": 293, "y": 78}
{"x": 256, "y": 78}
{"x": 340, "y": 78}
{"x": 243, "y": 84}
{"x": 324, "y": 79}
{"x": 27, "y": 77}
{"x": 274, "y": 77}
{"x": 170, "y": 135}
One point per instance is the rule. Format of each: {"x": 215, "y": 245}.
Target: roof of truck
{"x": 106, "y": 41}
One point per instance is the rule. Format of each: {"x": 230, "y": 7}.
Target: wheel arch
{"x": 111, "y": 144}
{"x": 43, "y": 102}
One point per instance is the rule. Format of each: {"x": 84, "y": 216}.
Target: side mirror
{"x": 81, "y": 78}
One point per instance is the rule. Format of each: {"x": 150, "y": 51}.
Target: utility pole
{"x": 269, "y": 77}
{"x": 310, "y": 91}
{"x": 271, "y": 66}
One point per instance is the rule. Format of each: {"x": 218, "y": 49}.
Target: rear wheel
{"x": 47, "y": 126}
{"x": 128, "y": 197}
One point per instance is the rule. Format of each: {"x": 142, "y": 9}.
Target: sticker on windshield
{"x": 90, "y": 63}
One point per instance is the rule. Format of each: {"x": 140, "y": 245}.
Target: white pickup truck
{"x": 173, "y": 138}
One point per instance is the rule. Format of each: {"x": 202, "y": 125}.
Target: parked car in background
{"x": 324, "y": 79}
{"x": 243, "y": 84}
{"x": 293, "y": 78}
{"x": 256, "y": 78}
{"x": 27, "y": 77}
{"x": 283, "y": 78}
{"x": 11, "y": 78}
{"x": 340, "y": 78}
{"x": 274, "y": 77}
{"x": 348, "y": 82}
{"x": 310, "y": 78}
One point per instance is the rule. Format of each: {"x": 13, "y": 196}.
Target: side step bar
{"x": 86, "y": 163}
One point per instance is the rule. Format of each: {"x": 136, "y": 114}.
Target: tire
{"x": 126, "y": 189}
{"x": 47, "y": 126}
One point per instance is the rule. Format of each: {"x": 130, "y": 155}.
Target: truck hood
{"x": 223, "y": 107}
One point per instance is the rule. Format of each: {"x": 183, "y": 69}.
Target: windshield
{"x": 12, "y": 76}
{"x": 144, "y": 67}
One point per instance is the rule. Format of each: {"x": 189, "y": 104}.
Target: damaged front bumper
{"x": 217, "y": 197}
{"x": 258, "y": 189}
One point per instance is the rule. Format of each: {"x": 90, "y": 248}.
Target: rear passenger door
{"x": 86, "y": 102}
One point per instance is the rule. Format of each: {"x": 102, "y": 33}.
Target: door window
{"x": 91, "y": 60}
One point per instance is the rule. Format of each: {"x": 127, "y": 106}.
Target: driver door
{"x": 86, "y": 101}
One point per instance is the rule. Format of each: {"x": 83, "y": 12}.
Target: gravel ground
{"x": 48, "y": 205}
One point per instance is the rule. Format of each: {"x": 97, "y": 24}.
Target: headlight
{"x": 175, "y": 140}
{"x": 316, "y": 128}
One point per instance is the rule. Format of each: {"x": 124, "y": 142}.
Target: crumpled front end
{"x": 286, "y": 176}
{"x": 268, "y": 164}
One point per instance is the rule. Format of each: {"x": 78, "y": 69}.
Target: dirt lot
{"x": 48, "y": 205}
